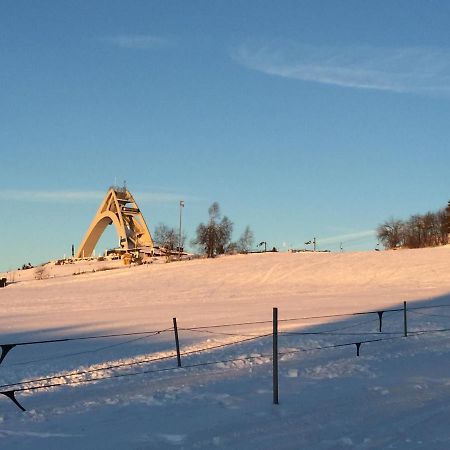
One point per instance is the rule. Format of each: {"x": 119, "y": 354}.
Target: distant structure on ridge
{"x": 118, "y": 208}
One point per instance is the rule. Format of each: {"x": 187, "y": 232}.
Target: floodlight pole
{"x": 179, "y": 238}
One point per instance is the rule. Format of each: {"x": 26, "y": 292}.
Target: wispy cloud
{"x": 348, "y": 237}
{"x": 137, "y": 41}
{"x": 34, "y": 196}
{"x": 50, "y": 196}
{"x": 416, "y": 69}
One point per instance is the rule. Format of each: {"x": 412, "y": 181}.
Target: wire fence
{"x": 106, "y": 371}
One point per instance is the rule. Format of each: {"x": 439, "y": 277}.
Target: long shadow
{"x": 35, "y": 361}
{"x": 381, "y": 324}
{"x": 28, "y": 361}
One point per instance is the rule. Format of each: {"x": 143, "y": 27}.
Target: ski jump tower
{"x": 118, "y": 208}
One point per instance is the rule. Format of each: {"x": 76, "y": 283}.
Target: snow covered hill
{"x": 394, "y": 395}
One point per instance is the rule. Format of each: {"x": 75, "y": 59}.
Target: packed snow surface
{"x": 396, "y": 394}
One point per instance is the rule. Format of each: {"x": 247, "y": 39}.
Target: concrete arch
{"x": 118, "y": 208}
{"x": 95, "y": 232}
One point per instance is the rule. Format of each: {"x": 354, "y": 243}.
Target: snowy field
{"x": 396, "y": 394}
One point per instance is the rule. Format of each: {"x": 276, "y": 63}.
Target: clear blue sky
{"x": 301, "y": 118}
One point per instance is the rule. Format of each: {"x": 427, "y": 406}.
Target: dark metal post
{"x": 275, "y": 356}
{"x": 405, "y": 322}
{"x": 177, "y": 342}
{"x": 380, "y": 318}
{"x": 179, "y": 236}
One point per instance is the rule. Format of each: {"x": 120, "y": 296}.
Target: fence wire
{"x": 10, "y": 389}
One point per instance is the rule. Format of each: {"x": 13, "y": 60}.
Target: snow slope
{"x": 395, "y": 395}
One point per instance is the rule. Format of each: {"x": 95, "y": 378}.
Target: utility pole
{"x": 314, "y": 242}
{"x": 179, "y": 238}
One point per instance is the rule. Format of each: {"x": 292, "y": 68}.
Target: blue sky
{"x": 301, "y": 118}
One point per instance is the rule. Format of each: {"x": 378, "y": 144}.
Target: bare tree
{"x": 443, "y": 220}
{"x": 215, "y": 236}
{"x": 167, "y": 237}
{"x": 245, "y": 242}
{"x": 224, "y": 232}
{"x": 390, "y": 233}
{"x": 40, "y": 272}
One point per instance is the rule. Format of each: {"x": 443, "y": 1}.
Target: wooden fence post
{"x": 177, "y": 342}
{"x": 275, "y": 356}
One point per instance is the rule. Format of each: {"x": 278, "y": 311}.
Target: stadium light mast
{"x": 179, "y": 237}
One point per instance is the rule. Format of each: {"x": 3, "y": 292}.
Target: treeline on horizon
{"x": 420, "y": 230}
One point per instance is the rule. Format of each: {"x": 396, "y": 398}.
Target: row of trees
{"x": 212, "y": 238}
{"x": 420, "y": 230}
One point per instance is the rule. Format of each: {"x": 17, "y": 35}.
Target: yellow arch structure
{"x": 118, "y": 208}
